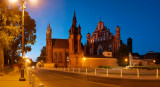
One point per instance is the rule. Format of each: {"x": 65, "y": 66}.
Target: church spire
{"x": 74, "y": 20}
{"x": 49, "y": 28}
{"x": 74, "y": 14}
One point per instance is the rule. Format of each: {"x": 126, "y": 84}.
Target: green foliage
{"x": 9, "y": 25}
{"x": 122, "y": 54}
{"x": 107, "y": 67}
{"x": 10, "y": 30}
{"x": 42, "y": 55}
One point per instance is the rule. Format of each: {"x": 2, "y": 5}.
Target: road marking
{"x": 90, "y": 81}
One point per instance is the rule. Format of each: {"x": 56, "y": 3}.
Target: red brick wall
{"x": 95, "y": 62}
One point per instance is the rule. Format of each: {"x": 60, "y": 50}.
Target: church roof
{"x": 60, "y": 43}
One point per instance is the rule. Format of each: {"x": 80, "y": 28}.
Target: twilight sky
{"x": 138, "y": 19}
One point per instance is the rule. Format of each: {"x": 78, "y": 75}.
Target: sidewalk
{"x": 12, "y": 80}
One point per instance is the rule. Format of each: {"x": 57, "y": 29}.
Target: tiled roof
{"x": 60, "y": 43}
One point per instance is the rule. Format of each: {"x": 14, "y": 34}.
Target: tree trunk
{"x": 1, "y": 57}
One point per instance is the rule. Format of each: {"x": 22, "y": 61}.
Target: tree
{"x": 42, "y": 56}
{"x": 29, "y": 38}
{"x": 10, "y": 22}
{"x": 9, "y": 25}
{"x": 157, "y": 58}
{"x": 122, "y": 54}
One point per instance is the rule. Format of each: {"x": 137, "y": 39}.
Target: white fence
{"x": 111, "y": 72}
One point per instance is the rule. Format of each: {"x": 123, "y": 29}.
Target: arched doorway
{"x": 91, "y": 51}
{"x": 99, "y": 50}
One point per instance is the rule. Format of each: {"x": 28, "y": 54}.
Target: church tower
{"x": 75, "y": 46}
{"x": 49, "y": 45}
{"x": 117, "y": 39}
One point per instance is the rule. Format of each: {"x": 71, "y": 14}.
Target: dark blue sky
{"x": 138, "y": 19}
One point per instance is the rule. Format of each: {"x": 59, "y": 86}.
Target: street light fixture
{"x": 22, "y": 3}
{"x": 154, "y": 61}
{"x": 126, "y": 60}
{"x": 84, "y": 59}
{"x": 27, "y": 60}
{"x": 13, "y": 1}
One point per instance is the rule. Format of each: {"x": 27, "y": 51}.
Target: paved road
{"x": 53, "y": 78}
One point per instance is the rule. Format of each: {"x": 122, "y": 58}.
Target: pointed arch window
{"x": 55, "y": 56}
{"x": 60, "y": 57}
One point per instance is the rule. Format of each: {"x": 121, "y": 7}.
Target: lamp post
{"x": 22, "y": 68}
{"x": 22, "y": 3}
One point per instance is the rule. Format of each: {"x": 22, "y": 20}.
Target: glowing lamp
{"x": 126, "y": 59}
{"x": 154, "y": 61}
{"x": 13, "y": 1}
{"x": 27, "y": 60}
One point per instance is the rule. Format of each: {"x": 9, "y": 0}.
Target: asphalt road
{"x": 51, "y": 78}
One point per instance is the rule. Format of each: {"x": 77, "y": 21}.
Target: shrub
{"x": 107, "y": 67}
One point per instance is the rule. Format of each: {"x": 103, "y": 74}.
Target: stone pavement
{"x": 12, "y": 80}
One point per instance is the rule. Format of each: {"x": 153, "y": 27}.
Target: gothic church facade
{"x": 65, "y": 52}
{"x": 103, "y": 40}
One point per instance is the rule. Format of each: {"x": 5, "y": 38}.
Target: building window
{"x": 55, "y": 56}
{"x": 60, "y": 57}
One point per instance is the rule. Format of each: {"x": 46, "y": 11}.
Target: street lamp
{"x": 22, "y": 3}
{"x": 13, "y": 1}
{"x": 126, "y": 60}
{"x": 27, "y": 60}
{"x": 84, "y": 61}
{"x": 154, "y": 61}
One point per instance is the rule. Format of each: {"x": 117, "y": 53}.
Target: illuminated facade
{"x": 70, "y": 53}
{"x": 103, "y": 40}
{"x": 65, "y": 52}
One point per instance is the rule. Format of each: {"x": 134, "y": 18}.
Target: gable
{"x": 60, "y": 43}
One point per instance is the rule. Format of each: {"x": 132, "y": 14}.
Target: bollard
{"x": 137, "y": 73}
{"x": 68, "y": 69}
{"x": 41, "y": 85}
{"x": 95, "y": 71}
{"x": 73, "y": 69}
{"x": 79, "y": 70}
{"x": 121, "y": 72}
{"x": 107, "y": 72}
{"x": 64, "y": 68}
{"x": 33, "y": 81}
{"x": 86, "y": 70}
{"x": 157, "y": 73}
{"x": 30, "y": 77}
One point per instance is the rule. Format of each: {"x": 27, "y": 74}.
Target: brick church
{"x": 71, "y": 52}
{"x": 65, "y": 52}
{"x": 103, "y": 40}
